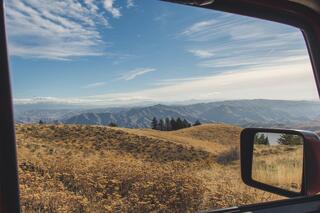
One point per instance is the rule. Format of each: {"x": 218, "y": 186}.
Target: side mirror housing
{"x": 284, "y": 162}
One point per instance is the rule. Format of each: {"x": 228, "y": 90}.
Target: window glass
{"x": 137, "y": 106}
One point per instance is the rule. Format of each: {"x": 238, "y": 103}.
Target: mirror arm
{"x": 312, "y": 170}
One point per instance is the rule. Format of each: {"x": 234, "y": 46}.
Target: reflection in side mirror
{"x": 278, "y": 160}
{"x": 284, "y": 162}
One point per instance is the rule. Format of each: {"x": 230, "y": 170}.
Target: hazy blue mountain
{"x": 258, "y": 113}
{"x": 49, "y": 113}
{"x": 46, "y": 115}
{"x": 138, "y": 117}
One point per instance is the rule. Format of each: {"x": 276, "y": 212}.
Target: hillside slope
{"x": 214, "y": 138}
{"x": 67, "y": 168}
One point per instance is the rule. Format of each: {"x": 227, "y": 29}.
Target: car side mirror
{"x": 284, "y": 162}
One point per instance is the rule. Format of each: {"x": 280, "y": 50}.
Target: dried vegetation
{"x": 73, "y": 168}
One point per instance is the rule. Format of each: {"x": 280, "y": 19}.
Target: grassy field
{"x": 279, "y": 165}
{"x": 73, "y": 168}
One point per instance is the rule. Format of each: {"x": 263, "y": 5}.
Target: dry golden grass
{"x": 278, "y": 165}
{"x": 73, "y": 168}
{"x": 214, "y": 138}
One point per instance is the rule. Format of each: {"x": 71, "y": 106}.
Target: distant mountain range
{"x": 258, "y": 113}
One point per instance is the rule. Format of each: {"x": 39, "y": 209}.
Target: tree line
{"x": 284, "y": 139}
{"x": 261, "y": 139}
{"x": 168, "y": 124}
{"x": 290, "y": 139}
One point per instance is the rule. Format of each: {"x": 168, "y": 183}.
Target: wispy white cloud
{"x": 94, "y": 85}
{"x": 202, "y": 53}
{"x": 238, "y": 65}
{"x": 130, "y": 3}
{"x": 109, "y": 6}
{"x": 91, "y": 5}
{"x": 174, "y": 81}
{"x": 59, "y": 29}
{"x": 233, "y": 62}
{"x": 290, "y": 81}
{"x": 232, "y": 27}
{"x": 227, "y": 43}
{"x": 162, "y": 18}
{"x": 135, "y": 73}
{"x": 199, "y": 27}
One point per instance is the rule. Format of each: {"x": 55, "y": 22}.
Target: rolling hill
{"x": 68, "y": 168}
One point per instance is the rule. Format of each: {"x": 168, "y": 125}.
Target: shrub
{"x": 229, "y": 156}
{"x": 112, "y": 124}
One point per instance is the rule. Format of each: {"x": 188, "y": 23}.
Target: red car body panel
{"x": 312, "y": 156}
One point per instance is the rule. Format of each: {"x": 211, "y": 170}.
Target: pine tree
{"x": 179, "y": 123}
{"x": 267, "y": 142}
{"x": 112, "y": 124}
{"x": 261, "y": 139}
{"x": 154, "y": 123}
{"x": 168, "y": 125}
{"x": 173, "y": 124}
{"x": 290, "y": 139}
{"x": 161, "y": 125}
{"x": 186, "y": 124}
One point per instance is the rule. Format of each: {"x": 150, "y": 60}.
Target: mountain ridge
{"x": 258, "y": 112}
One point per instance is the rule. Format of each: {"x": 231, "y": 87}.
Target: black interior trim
{"x": 9, "y": 187}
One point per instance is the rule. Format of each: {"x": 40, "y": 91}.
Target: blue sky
{"x": 119, "y": 52}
